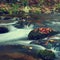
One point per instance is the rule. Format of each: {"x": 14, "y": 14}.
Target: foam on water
{"x": 15, "y": 34}
{"x": 57, "y": 53}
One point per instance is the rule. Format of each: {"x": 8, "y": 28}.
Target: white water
{"x": 58, "y": 23}
{"x": 14, "y": 34}
{"x": 57, "y": 53}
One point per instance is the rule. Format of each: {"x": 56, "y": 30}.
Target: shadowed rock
{"x": 35, "y": 35}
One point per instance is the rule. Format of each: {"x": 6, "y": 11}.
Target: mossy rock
{"x": 46, "y": 55}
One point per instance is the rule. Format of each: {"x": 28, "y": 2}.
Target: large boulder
{"x": 41, "y": 33}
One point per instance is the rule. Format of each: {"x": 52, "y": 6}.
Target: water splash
{"x": 28, "y": 26}
{"x": 57, "y": 53}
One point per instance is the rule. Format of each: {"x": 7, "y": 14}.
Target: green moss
{"x": 46, "y": 55}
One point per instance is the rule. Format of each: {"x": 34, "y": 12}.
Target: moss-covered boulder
{"x": 46, "y": 55}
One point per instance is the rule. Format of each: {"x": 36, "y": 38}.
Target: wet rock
{"x": 41, "y": 33}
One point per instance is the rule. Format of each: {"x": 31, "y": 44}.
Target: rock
{"x": 41, "y": 33}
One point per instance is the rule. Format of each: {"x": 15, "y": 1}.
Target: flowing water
{"x": 19, "y": 36}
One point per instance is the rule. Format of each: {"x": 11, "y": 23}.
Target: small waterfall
{"x": 28, "y": 26}
{"x": 57, "y": 53}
